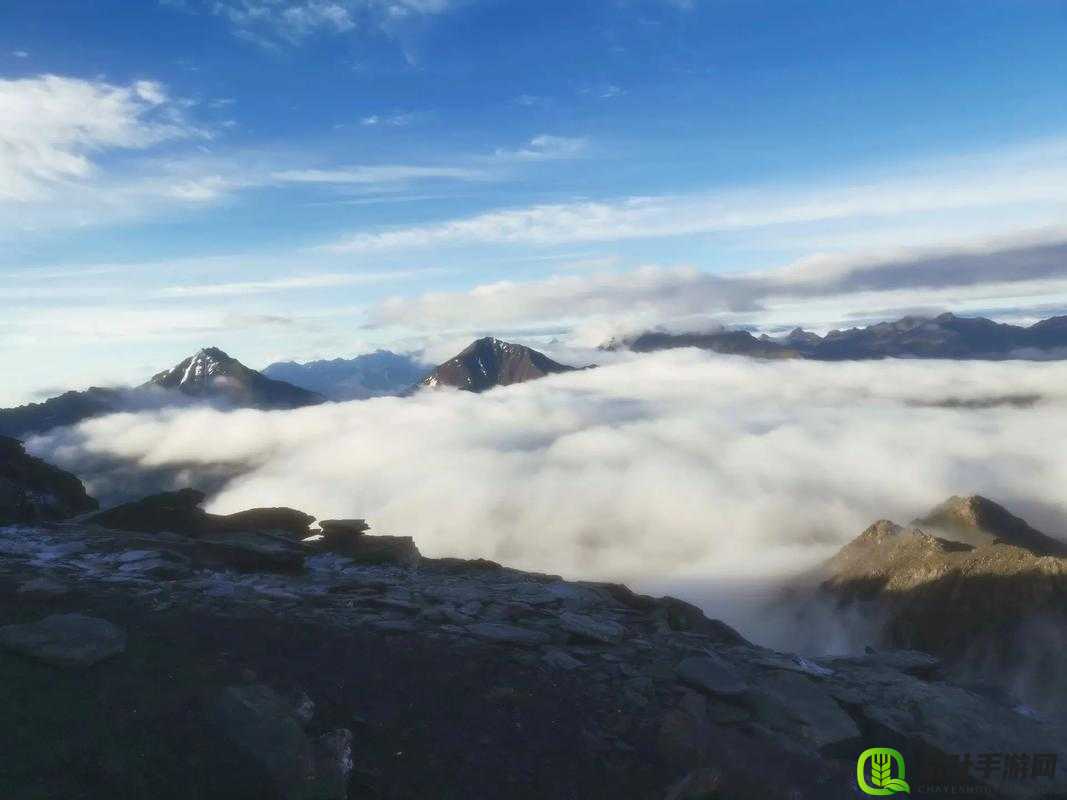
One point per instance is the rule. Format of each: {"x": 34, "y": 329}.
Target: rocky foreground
{"x": 157, "y": 651}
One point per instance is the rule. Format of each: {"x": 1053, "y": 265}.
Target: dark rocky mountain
{"x": 725, "y": 341}
{"x": 377, "y": 374}
{"x": 490, "y": 362}
{"x": 944, "y": 336}
{"x": 988, "y": 593}
{"x": 208, "y": 376}
{"x": 34, "y": 491}
{"x": 213, "y": 375}
{"x": 68, "y": 408}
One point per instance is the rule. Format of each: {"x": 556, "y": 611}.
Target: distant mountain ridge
{"x": 377, "y": 374}
{"x": 944, "y": 336}
{"x": 209, "y": 375}
{"x": 488, "y": 362}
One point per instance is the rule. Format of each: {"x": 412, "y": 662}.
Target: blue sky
{"x": 302, "y": 178}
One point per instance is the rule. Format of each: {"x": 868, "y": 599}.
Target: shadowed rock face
{"x": 490, "y": 362}
{"x": 978, "y": 520}
{"x": 33, "y": 491}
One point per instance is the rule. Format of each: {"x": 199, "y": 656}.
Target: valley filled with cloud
{"x": 681, "y": 468}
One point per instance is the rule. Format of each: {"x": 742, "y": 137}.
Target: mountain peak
{"x": 489, "y": 362}
{"x": 212, "y": 374}
{"x": 977, "y": 520}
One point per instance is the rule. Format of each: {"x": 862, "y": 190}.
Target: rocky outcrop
{"x": 451, "y": 678}
{"x": 33, "y": 491}
{"x": 990, "y": 605}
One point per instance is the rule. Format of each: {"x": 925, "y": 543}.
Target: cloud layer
{"x": 666, "y": 467}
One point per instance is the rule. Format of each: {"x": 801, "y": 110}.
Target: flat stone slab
{"x": 710, "y": 674}
{"x": 65, "y": 640}
{"x": 602, "y": 631}
{"x": 507, "y": 634}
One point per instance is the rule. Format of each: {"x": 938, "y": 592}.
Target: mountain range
{"x": 377, "y": 374}
{"x": 207, "y": 376}
{"x": 943, "y": 336}
{"x": 211, "y": 376}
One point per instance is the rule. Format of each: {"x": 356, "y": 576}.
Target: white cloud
{"x": 545, "y": 148}
{"x": 666, "y": 465}
{"x": 320, "y": 281}
{"x": 53, "y": 126}
{"x": 378, "y": 175}
{"x": 292, "y": 22}
{"x": 20, "y": 54}
{"x": 1021, "y": 184}
{"x": 398, "y": 120}
{"x": 653, "y": 295}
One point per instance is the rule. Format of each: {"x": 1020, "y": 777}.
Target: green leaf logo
{"x": 881, "y": 762}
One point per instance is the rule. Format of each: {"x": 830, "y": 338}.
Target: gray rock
{"x": 711, "y": 674}
{"x": 913, "y": 662}
{"x": 267, "y": 729}
{"x": 700, "y": 784}
{"x": 333, "y": 764}
{"x": 799, "y": 706}
{"x": 507, "y": 634}
{"x": 589, "y": 629}
{"x": 65, "y": 640}
{"x": 684, "y": 736}
{"x": 44, "y": 587}
{"x": 561, "y": 660}
{"x": 253, "y": 551}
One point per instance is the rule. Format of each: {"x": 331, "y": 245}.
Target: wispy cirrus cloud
{"x": 293, "y": 283}
{"x": 278, "y": 23}
{"x": 379, "y": 174}
{"x": 1027, "y": 184}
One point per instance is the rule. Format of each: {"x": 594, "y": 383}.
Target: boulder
{"x": 700, "y": 784}
{"x": 65, "y": 640}
{"x": 711, "y": 674}
{"x": 802, "y": 708}
{"x": 585, "y": 628}
{"x": 253, "y": 552}
{"x": 284, "y": 521}
{"x": 32, "y": 490}
{"x": 501, "y": 633}
{"x": 266, "y": 729}
{"x": 343, "y": 527}
{"x": 399, "y": 550}
{"x": 175, "y": 512}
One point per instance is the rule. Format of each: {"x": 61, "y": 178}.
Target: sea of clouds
{"x": 679, "y": 470}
